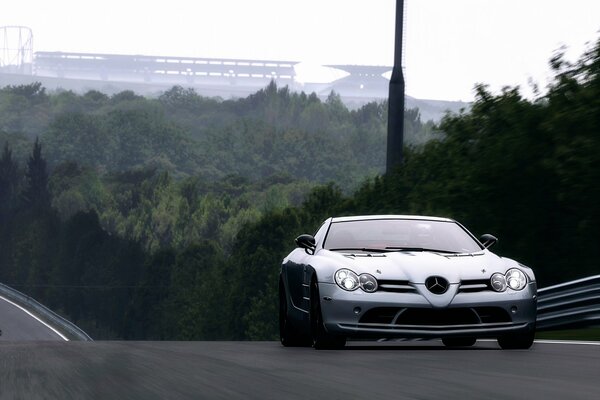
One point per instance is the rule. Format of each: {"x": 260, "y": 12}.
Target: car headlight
{"x": 368, "y": 283}
{"x": 498, "y": 282}
{"x": 348, "y": 280}
{"x": 514, "y": 279}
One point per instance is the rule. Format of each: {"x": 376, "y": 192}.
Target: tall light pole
{"x": 395, "y": 136}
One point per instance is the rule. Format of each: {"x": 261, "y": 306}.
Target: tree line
{"x": 525, "y": 170}
{"x": 108, "y": 201}
{"x": 148, "y": 252}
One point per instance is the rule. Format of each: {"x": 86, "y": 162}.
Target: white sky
{"x": 449, "y": 44}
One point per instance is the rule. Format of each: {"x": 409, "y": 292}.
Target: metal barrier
{"x": 66, "y": 327}
{"x": 569, "y": 305}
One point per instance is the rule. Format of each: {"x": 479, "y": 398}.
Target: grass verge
{"x": 571, "y": 334}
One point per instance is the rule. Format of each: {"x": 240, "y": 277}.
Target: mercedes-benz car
{"x": 397, "y": 276}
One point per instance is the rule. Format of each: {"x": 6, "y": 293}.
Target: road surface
{"x": 17, "y": 324}
{"x": 265, "y": 370}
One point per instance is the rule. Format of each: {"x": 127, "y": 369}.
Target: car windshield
{"x": 398, "y": 235}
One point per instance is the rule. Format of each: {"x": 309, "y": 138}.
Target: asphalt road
{"x": 265, "y": 370}
{"x": 16, "y": 324}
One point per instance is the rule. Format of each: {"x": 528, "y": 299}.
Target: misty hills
{"x": 432, "y": 110}
{"x": 272, "y": 132}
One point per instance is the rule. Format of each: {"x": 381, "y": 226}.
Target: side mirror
{"x": 306, "y": 242}
{"x": 488, "y": 240}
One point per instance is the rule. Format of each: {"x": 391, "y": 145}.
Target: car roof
{"x": 375, "y": 217}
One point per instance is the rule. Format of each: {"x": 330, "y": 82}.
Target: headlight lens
{"x": 516, "y": 279}
{"x": 348, "y": 280}
{"x": 498, "y": 282}
{"x": 368, "y": 283}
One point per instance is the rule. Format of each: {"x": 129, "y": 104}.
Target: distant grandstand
{"x": 236, "y": 76}
{"x": 211, "y": 76}
{"x": 248, "y": 75}
{"x": 226, "y": 78}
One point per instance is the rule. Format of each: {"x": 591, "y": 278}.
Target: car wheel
{"x": 521, "y": 341}
{"x": 321, "y": 339}
{"x": 459, "y": 341}
{"x": 288, "y": 334}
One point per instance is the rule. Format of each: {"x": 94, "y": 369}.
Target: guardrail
{"x": 569, "y": 305}
{"x": 66, "y": 327}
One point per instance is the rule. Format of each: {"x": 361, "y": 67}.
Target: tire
{"x": 321, "y": 339}
{"x": 459, "y": 341}
{"x": 520, "y": 341}
{"x": 288, "y": 334}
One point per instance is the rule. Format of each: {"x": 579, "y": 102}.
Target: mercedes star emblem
{"x": 436, "y": 284}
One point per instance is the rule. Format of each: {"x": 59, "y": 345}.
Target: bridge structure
{"x": 209, "y": 76}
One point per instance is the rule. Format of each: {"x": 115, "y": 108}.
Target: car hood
{"x": 416, "y": 267}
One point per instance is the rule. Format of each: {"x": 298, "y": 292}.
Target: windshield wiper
{"x": 391, "y": 248}
{"x": 372, "y": 250}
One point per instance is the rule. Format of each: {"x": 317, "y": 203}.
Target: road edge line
{"x": 36, "y": 318}
{"x": 550, "y": 341}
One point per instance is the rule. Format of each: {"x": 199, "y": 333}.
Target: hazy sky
{"x": 449, "y": 44}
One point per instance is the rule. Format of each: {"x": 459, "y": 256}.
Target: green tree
{"x": 197, "y": 293}
{"x": 36, "y": 195}
{"x": 9, "y": 183}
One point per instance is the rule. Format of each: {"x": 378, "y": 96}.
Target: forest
{"x": 167, "y": 218}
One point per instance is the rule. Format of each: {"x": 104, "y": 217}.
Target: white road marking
{"x": 36, "y": 318}
{"x": 544, "y": 341}
{"x": 568, "y": 342}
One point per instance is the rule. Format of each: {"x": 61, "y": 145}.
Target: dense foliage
{"x": 167, "y": 218}
{"x": 526, "y": 171}
{"x": 125, "y": 180}
{"x": 271, "y": 132}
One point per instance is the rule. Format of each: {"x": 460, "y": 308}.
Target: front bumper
{"x": 344, "y": 313}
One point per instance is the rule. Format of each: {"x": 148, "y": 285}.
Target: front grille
{"x": 429, "y": 316}
{"x": 380, "y": 315}
{"x": 490, "y": 315}
{"x": 396, "y": 286}
{"x": 474, "y": 285}
{"x": 404, "y": 286}
{"x": 435, "y": 317}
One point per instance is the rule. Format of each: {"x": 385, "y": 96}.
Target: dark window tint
{"x": 400, "y": 233}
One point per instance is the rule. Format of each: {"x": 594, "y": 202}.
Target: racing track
{"x": 265, "y": 370}
{"x": 16, "y": 323}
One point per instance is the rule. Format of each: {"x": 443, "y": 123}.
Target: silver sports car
{"x": 396, "y": 276}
